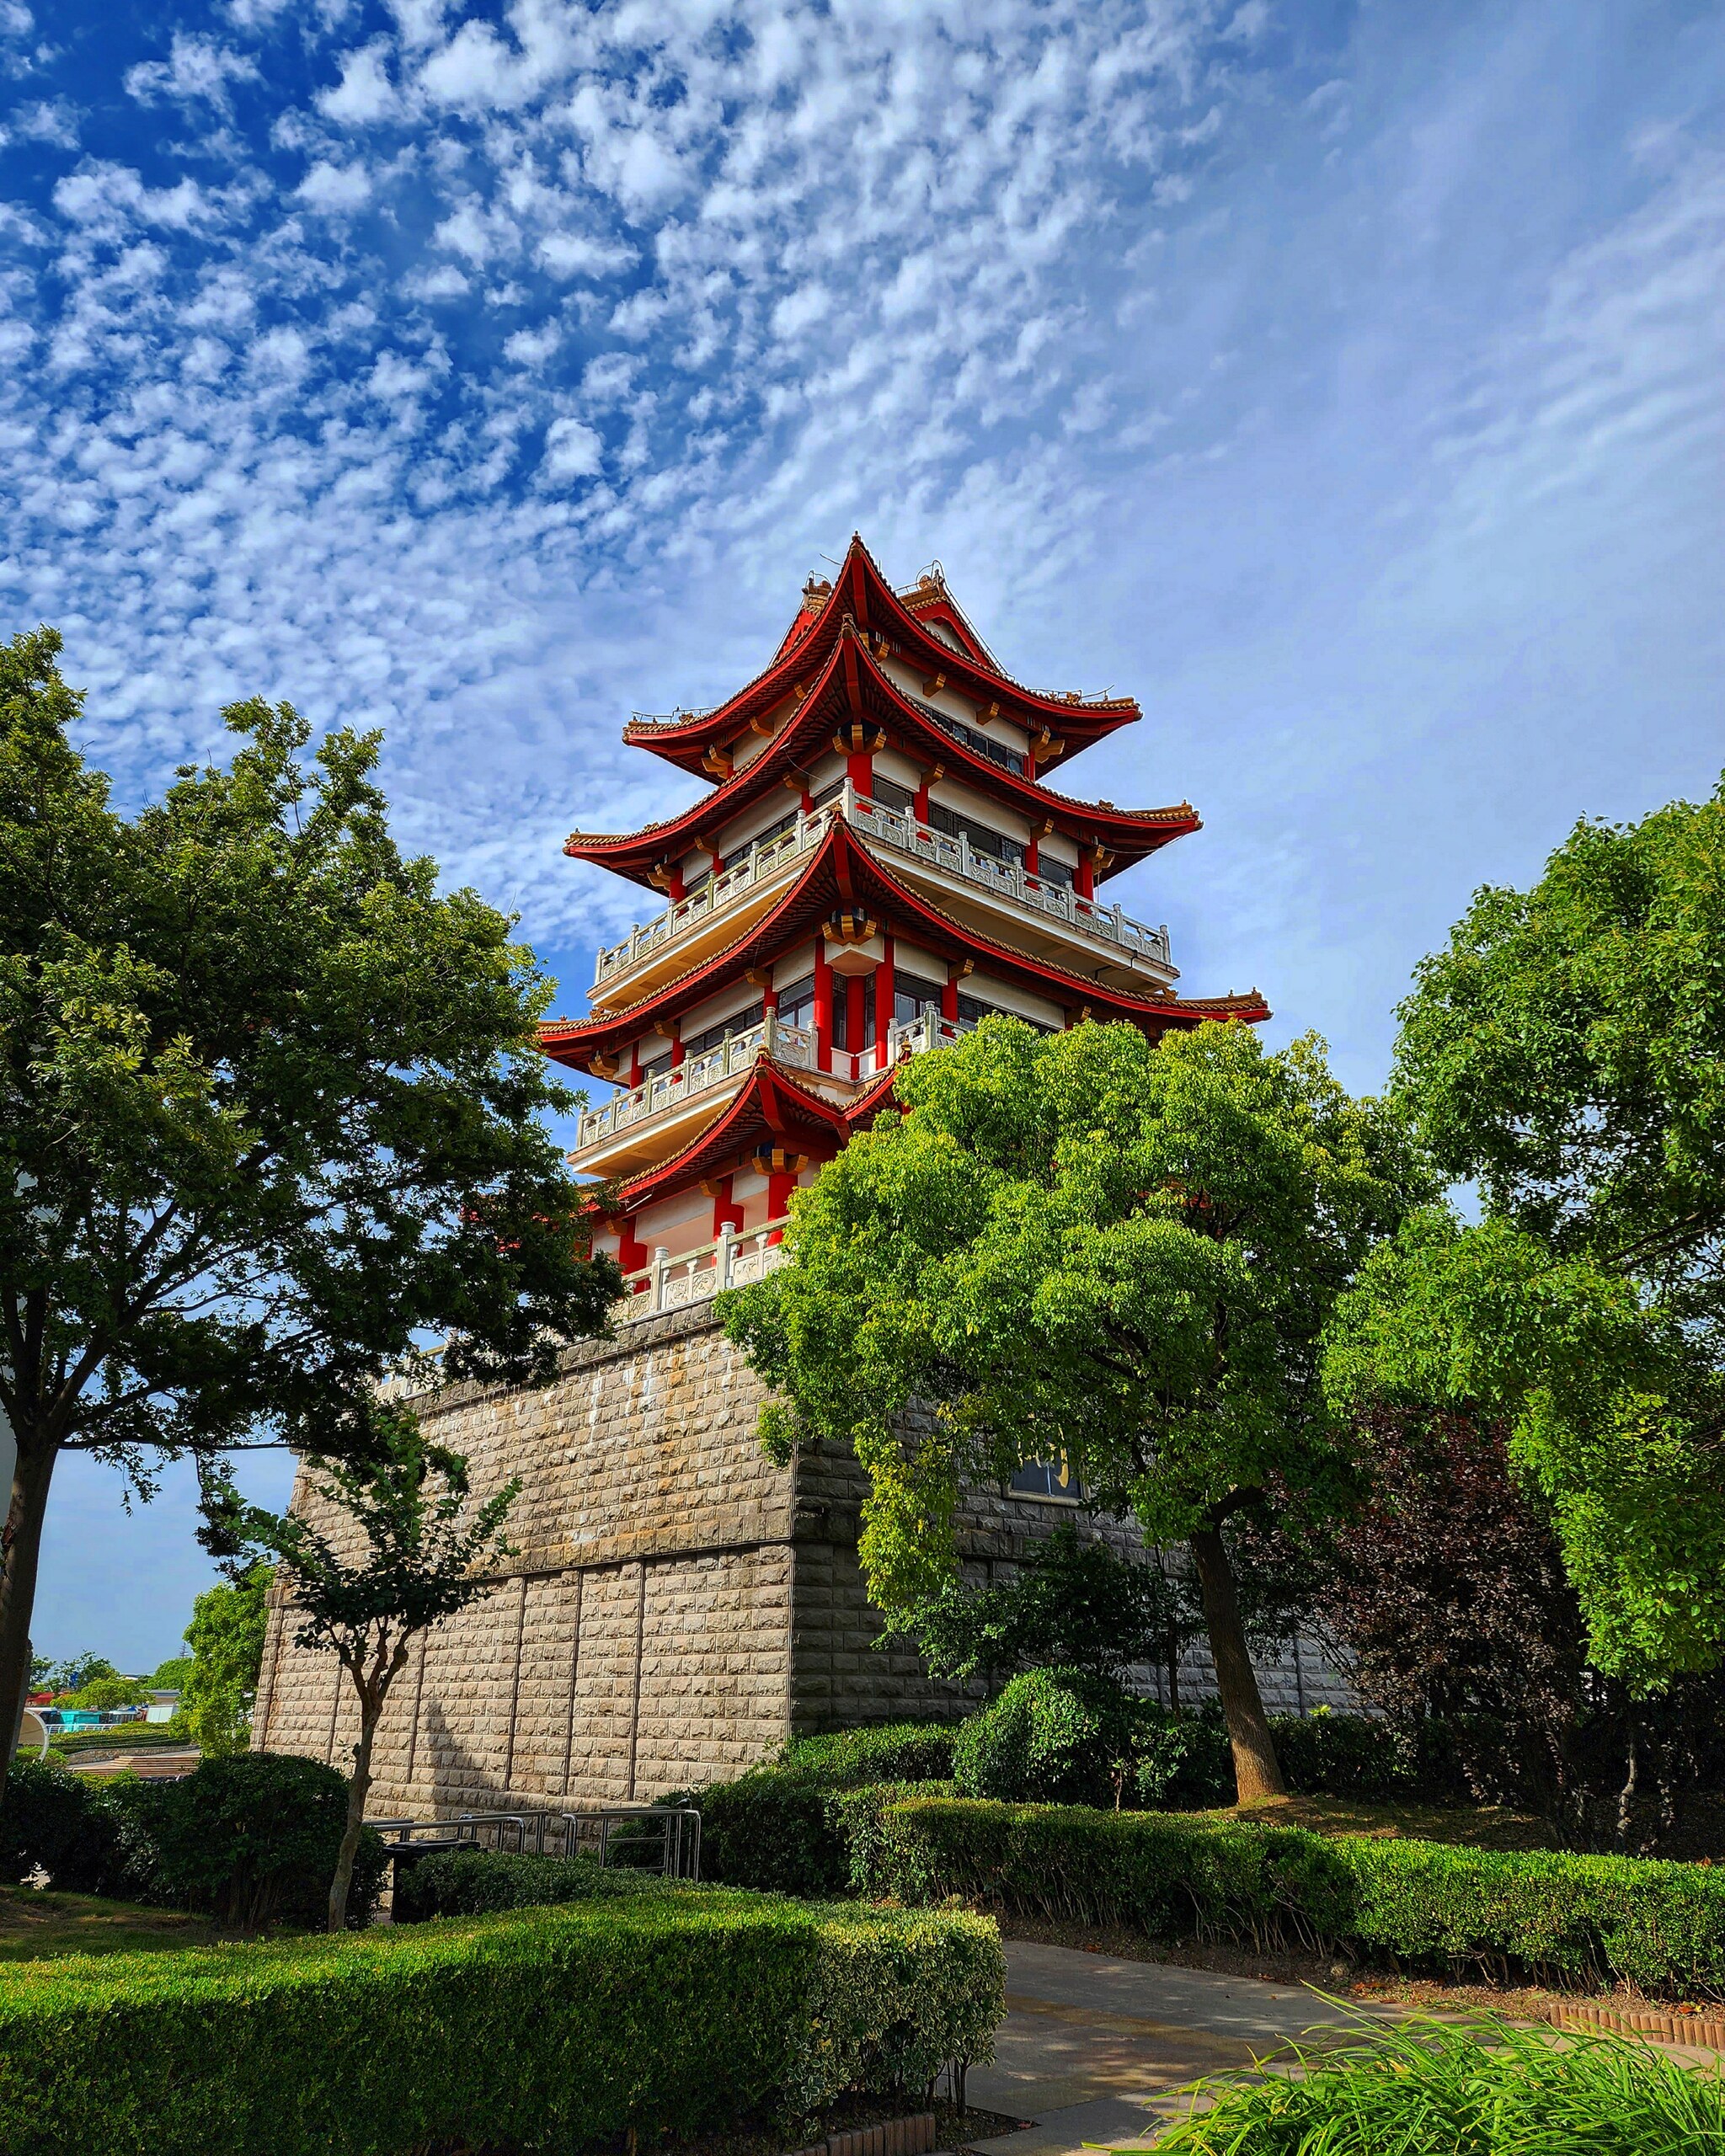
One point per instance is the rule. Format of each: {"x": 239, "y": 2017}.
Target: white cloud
{"x": 195, "y": 67}
{"x": 578, "y": 255}
{"x": 527, "y": 348}
{"x": 572, "y": 450}
{"x": 364, "y": 93}
{"x": 335, "y": 188}
{"x": 108, "y": 196}
{"x": 53, "y": 121}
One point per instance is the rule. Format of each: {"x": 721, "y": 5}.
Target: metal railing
{"x": 622, "y": 1834}
{"x": 953, "y": 857}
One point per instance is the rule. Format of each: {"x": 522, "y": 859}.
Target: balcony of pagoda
{"x": 648, "y": 1123}
{"x": 1003, "y": 899}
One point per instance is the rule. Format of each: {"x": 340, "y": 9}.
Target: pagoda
{"x": 879, "y": 863}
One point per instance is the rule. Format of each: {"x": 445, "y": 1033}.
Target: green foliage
{"x": 1181, "y": 1759}
{"x": 62, "y": 1822}
{"x": 682, "y": 2012}
{"x": 1489, "y": 2090}
{"x": 1081, "y": 1246}
{"x": 103, "y": 1695}
{"x": 1567, "y": 1052}
{"x": 423, "y": 1552}
{"x": 226, "y": 1636}
{"x": 251, "y": 1840}
{"x": 271, "y": 1109}
{"x": 777, "y": 1827}
{"x": 71, "y": 1675}
{"x": 479, "y": 1882}
{"x": 883, "y": 1751}
{"x": 1560, "y": 1919}
{"x": 1074, "y": 1604}
{"x": 1053, "y": 1737}
{"x": 171, "y": 1676}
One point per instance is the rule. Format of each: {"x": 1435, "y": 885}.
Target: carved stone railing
{"x": 731, "y": 1259}
{"x": 666, "y": 1089}
{"x": 953, "y": 858}
{"x": 793, "y": 1046}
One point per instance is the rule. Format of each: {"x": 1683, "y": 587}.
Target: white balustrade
{"x": 954, "y": 858}
{"x": 731, "y": 1259}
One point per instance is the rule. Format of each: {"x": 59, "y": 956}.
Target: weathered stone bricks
{"x": 678, "y": 1606}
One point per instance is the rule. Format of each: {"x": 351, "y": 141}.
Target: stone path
{"x": 1092, "y": 2048}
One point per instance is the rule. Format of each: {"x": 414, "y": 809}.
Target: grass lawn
{"x": 34, "y": 1925}
{"x": 1479, "y": 1826}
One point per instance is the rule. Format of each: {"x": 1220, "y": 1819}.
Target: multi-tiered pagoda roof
{"x": 880, "y": 860}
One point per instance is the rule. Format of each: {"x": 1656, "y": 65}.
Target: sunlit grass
{"x": 1432, "y": 2089}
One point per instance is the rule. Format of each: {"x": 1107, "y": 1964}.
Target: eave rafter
{"x": 842, "y": 875}
{"x": 861, "y": 594}
{"x": 852, "y": 682}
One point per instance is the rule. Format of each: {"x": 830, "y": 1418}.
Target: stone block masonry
{"x": 679, "y": 1606}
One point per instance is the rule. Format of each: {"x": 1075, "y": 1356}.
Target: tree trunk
{"x": 1257, "y": 1773}
{"x": 23, "y": 1539}
{"x": 358, "y": 1789}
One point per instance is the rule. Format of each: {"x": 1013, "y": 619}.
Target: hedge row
{"x": 483, "y": 1882}
{"x": 1560, "y": 1919}
{"x": 670, "y": 2010}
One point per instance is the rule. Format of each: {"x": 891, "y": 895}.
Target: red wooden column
{"x": 726, "y": 1212}
{"x": 675, "y": 1030}
{"x": 823, "y": 1007}
{"x": 885, "y": 996}
{"x": 779, "y": 1186}
{"x": 1085, "y": 882}
{"x": 949, "y": 995}
{"x": 631, "y": 1252}
{"x": 855, "y": 1015}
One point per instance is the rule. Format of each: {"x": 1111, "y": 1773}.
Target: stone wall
{"x": 679, "y": 1606}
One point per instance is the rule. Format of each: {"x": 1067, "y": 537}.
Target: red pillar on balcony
{"x": 823, "y": 1007}
{"x": 855, "y": 1015}
{"x": 1085, "y": 882}
{"x": 885, "y": 997}
{"x": 676, "y": 1048}
{"x": 631, "y": 1254}
{"x": 779, "y": 1187}
{"x": 726, "y": 1212}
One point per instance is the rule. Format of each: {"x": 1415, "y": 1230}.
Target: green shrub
{"x": 679, "y": 2011}
{"x": 1179, "y": 1761}
{"x": 1052, "y": 1736}
{"x": 1562, "y": 1919}
{"x": 477, "y": 1882}
{"x": 893, "y": 1751}
{"x": 63, "y": 1822}
{"x": 775, "y": 1828}
{"x": 1328, "y": 1754}
{"x": 1490, "y": 2091}
{"x": 251, "y": 1839}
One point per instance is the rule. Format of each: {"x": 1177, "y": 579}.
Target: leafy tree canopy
{"x": 1567, "y": 1052}
{"x": 226, "y": 1636}
{"x": 1080, "y": 1244}
{"x": 269, "y": 1111}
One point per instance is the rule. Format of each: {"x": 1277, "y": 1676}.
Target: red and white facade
{"x": 880, "y": 860}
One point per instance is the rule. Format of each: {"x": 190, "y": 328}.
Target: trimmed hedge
{"x": 1560, "y": 1919}
{"x": 480, "y": 1882}
{"x": 775, "y": 1828}
{"x": 674, "y": 2011}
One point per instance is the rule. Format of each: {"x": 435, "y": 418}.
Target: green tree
{"x": 270, "y": 1113}
{"x": 1075, "y": 1604}
{"x": 226, "y": 1636}
{"x": 1567, "y": 1053}
{"x": 406, "y": 1513}
{"x": 1082, "y": 1244}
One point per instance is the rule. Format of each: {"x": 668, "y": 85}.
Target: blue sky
{"x": 1344, "y": 381}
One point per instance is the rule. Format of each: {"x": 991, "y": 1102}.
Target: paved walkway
{"x": 1092, "y": 2048}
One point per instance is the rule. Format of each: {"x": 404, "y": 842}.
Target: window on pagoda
{"x": 740, "y": 1022}
{"x": 1051, "y": 871}
{"x": 891, "y": 795}
{"x": 739, "y": 853}
{"x": 982, "y": 839}
{"x": 913, "y": 997}
{"x": 796, "y": 1003}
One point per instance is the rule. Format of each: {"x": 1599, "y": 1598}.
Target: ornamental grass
{"x": 1433, "y": 2089}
